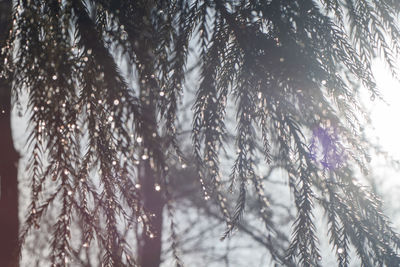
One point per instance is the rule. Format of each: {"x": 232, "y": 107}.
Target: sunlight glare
{"x": 385, "y": 116}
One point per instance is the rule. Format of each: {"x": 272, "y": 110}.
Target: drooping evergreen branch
{"x": 289, "y": 64}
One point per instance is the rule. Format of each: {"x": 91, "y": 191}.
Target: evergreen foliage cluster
{"x": 289, "y": 68}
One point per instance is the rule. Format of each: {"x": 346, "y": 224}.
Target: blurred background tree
{"x": 9, "y": 222}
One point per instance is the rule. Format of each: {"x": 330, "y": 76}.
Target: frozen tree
{"x": 101, "y": 141}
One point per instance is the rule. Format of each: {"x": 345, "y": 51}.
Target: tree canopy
{"x": 104, "y": 80}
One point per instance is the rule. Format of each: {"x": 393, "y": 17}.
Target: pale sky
{"x": 386, "y": 117}
{"x": 386, "y": 122}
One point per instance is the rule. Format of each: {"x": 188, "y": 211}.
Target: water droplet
{"x": 124, "y": 35}
{"x": 139, "y": 139}
{"x": 114, "y": 163}
{"x": 116, "y": 102}
{"x": 157, "y": 187}
{"x": 372, "y": 97}
{"x": 323, "y": 82}
{"x": 69, "y": 193}
{"x": 110, "y": 118}
{"x": 85, "y": 245}
{"x": 162, "y": 93}
{"x": 184, "y": 166}
{"x": 340, "y": 250}
{"x": 137, "y": 186}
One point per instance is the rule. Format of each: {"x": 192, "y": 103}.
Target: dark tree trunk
{"x": 9, "y": 222}
{"x": 150, "y": 245}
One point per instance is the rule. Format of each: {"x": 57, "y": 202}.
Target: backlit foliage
{"x": 289, "y": 68}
